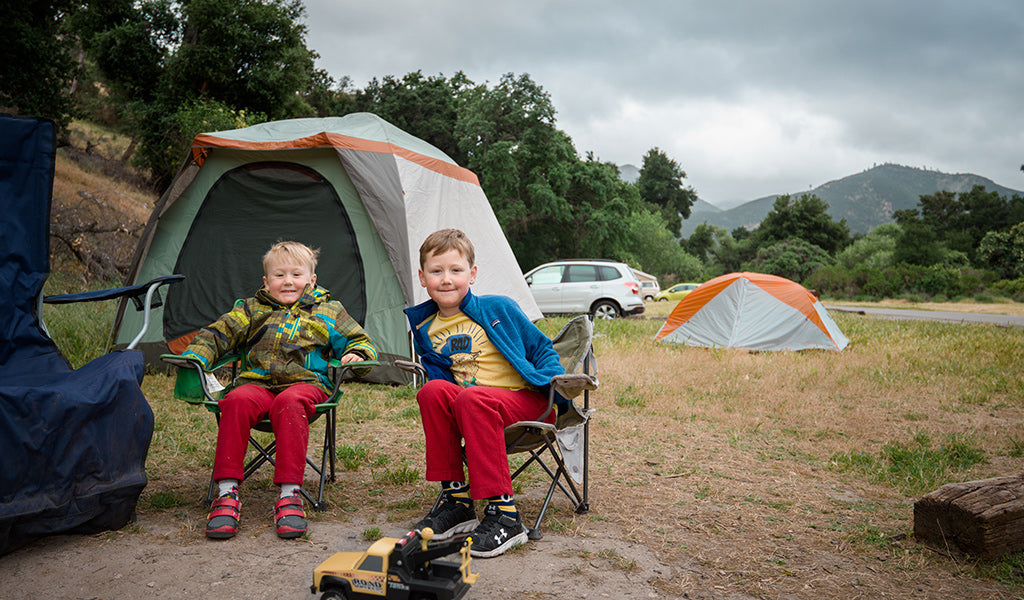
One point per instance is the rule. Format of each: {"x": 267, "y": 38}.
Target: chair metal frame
{"x": 145, "y": 296}
{"x": 265, "y": 454}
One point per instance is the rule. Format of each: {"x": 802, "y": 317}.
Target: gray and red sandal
{"x": 289, "y": 517}
{"x": 224, "y": 516}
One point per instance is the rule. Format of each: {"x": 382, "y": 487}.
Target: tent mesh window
{"x": 252, "y": 207}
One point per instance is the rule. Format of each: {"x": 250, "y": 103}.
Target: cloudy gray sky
{"x": 750, "y": 97}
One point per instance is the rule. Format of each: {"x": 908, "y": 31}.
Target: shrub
{"x": 938, "y": 280}
{"x": 1013, "y": 288}
{"x": 888, "y": 282}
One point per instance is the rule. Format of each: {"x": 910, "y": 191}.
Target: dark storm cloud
{"x": 750, "y": 97}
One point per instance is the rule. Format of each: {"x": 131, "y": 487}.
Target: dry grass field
{"x": 772, "y": 475}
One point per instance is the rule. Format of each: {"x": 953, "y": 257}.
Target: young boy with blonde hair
{"x": 487, "y": 367}
{"x": 286, "y": 332}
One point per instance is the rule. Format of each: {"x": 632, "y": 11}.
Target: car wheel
{"x": 662, "y": 299}
{"x": 334, "y": 594}
{"x": 605, "y": 310}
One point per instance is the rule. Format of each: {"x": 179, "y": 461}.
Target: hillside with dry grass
{"x": 99, "y": 207}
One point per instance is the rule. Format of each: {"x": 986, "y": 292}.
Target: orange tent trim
{"x": 204, "y": 142}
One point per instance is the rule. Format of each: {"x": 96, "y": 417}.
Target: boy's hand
{"x": 351, "y": 357}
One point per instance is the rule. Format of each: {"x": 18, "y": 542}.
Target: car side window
{"x": 547, "y": 276}
{"x": 579, "y": 273}
{"x": 609, "y": 273}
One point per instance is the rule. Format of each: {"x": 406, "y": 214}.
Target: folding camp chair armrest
{"x": 412, "y": 367}
{"x": 571, "y": 385}
{"x": 179, "y": 361}
{"x": 341, "y": 369}
{"x": 185, "y": 362}
{"x": 537, "y": 424}
{"x": 575, "y": 380}
{"x": 358, "y": 364}
{"x": 135, "y": 292}
{"x": 131, "y": 291}
{"x": 188, "y": 361}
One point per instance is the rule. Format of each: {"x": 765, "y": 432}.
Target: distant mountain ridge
{"x": 865, "y": 200}
{"x": 631, "y": 174}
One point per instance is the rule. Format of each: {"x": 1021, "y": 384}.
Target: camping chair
{"x": 194, "y": 386}
{"x": 560, "y": 450}
{"x": 74, "y": 441}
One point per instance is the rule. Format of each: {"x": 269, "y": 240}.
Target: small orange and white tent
{"x": 753, "y": 311}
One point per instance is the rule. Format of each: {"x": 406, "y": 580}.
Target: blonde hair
{"x": 443, "y": 240}
{"x": 293, "y": 252}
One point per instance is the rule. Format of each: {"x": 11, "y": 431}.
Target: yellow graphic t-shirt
{"x": 475, "y": 361}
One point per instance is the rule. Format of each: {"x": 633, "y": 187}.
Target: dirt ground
{"x": 644, "y": 548}
{"x": 154, "y": 563}
{"x": 156, "y": 559}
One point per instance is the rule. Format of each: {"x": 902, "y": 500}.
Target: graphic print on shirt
{"x": 458, "y": 344}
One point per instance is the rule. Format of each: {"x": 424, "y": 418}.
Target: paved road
{"x": 932, "y": 315}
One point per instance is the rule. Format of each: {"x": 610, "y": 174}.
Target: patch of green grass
{"x": 407, "y": 504}
{"x": 358, "y": 406}
{"x": 371, "y": 534}
{"x": 403, "y": 393}
{"x": 618, "y": 561}
{"x": 1008, "y": 570}
{"x": 352, "y": 456}
{"x": 399, "y": 474}
{"x": 777, "y": 505}
{"x": 165, "y": 500}
{"x": 81, "y": 330}
{"x": 914, "y": 467}
{"x": 411, "y": 413}
{"x": 629, "y": 398}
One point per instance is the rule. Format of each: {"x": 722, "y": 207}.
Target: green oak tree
{"x": 804, "y": 218}
{"x": 39, "y": 66}
{"x": 661, "y": 184}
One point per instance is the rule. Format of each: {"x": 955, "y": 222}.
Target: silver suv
{"x": 603, "y": 288}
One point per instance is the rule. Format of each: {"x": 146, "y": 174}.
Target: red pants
{"x": 289, "y": 413}
{"x": 478, "y": 415}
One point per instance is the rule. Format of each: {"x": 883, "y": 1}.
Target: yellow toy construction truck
{"x": 397, "y": 569}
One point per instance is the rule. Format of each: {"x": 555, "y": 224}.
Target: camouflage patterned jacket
{"x": 283, "y": 345}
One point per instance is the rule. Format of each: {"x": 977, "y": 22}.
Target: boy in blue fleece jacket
{"x": 487, "y": 366}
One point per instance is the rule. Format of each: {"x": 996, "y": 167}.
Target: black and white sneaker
{"x": 448, "y": 519}
{"x": 497, "y": 534}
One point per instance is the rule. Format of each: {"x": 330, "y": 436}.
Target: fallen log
{"x": 982, "y": 518}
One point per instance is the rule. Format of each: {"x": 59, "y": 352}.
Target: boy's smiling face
{"x": 286, "y": 281}
{"x": 447, "y": 277}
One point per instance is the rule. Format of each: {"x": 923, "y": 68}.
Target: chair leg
{"x": 265, "y": 454}
{"x": 210, "y": 491}
{"x": 559, "y": 479}
{"x": 331, "y": 435}
{"x": 326, "y": 459}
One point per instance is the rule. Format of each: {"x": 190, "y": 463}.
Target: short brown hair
{"x": 443, "y": 240}
{"x": 298, "y": 253}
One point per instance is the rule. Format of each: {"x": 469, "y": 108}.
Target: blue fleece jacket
{"x": 524, "y": 346}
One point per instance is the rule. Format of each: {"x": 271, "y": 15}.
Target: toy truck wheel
{"x": 333, "y": 595}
